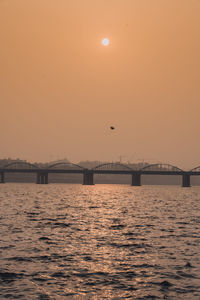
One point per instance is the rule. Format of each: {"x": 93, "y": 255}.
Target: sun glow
{"x": 105, "y": 42}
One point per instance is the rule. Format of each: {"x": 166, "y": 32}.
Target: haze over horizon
{"x": 61, "y": 89}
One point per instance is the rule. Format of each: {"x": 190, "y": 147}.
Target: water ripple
{"x": 99, "y": 242}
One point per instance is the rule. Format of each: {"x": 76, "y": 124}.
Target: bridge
{"x": 88, "y": 174}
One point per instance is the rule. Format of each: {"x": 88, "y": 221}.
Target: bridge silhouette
{"x": 88, "y": 174}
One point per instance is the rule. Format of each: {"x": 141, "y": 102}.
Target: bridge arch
{"x": 112, "y": 166}
{"x": 196, "y": 169}
{"x": 21, "y": 164}
{"x": 161, "y": 167}
{"x": 65, "y": 165}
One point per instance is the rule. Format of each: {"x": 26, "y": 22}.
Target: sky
{"x": 61, "y": 89}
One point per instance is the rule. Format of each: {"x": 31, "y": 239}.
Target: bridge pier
{"x": 136, "y": 180}
{"x": 88, "y": 178}
{"x": 42, "y": 178}
{"x": 185, "y": 180}
{"x": 2, "y": 178}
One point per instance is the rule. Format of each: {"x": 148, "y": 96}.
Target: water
{"x": 99, "y": 242}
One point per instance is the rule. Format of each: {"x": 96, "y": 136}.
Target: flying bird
{"x": 112, "y": 127}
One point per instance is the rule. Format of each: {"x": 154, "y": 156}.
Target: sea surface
{"x": 68, "y": 241}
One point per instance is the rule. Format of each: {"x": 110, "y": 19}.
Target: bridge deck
{"x": 96, "y": 171}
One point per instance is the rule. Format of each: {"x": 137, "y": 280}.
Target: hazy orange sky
{"x": 60, "y": 89}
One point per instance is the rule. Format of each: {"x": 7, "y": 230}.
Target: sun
{"x": 105, "y": 42}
